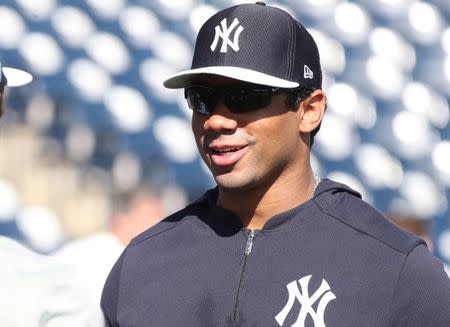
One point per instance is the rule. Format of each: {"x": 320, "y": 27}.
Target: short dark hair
{"x": 295, "y": 97}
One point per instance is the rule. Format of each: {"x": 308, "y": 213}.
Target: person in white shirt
{"x": 36, "y": 290}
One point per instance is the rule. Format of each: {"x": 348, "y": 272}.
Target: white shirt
{"x": 92, "y": 257}
{"x": 38, "y": 291}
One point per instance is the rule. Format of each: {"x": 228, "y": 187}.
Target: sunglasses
{"x": 238, "y": 99}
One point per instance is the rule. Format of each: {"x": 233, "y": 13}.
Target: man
{"x": 36, "y": 290}
{"x": 271, "y": 245}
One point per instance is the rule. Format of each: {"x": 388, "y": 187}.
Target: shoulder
{"x": 345, "y": 205}
{"x": 422, "y": 294}
{"x": 146, "y": 245}
{"x": 19, "y": 258}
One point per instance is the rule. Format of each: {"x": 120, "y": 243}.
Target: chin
{"x": 230, "y": 182}
{"x": 234, "y": 182}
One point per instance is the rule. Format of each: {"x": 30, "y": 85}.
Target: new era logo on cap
{"x": 254, "y": 43}
{"x": 13, "y": 77}
{"x": 307, "y": 72}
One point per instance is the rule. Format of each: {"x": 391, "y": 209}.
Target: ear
{"x": 312, "y": 110}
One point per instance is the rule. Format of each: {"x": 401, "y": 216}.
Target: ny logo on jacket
{"x": 323, "y": 294}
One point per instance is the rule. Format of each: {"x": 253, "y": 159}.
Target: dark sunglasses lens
{"x": 247, "y": 101}
{"x": 201, "y": 100}
{"x": 241, "y": 99}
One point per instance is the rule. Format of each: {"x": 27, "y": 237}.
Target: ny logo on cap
{"x": 307, "y": 72}
{"x": 224, "y": 32}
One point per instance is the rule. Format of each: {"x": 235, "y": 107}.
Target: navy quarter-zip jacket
{"x": 333, "y": 261}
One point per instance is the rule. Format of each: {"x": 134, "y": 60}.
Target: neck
{"x": 257, "y": 205}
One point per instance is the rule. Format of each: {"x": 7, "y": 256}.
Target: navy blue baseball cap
{"x": 254, "y": 43}
{"x": 13, "y": 77}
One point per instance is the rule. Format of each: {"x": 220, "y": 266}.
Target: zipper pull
{"x": 249, "y": 244}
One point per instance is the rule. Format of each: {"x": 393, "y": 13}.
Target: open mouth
{"x": 227, "y": 156}
{"x": 220, "y": 151}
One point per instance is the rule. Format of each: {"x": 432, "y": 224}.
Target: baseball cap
{"x": 254, "y": 43}
{"x": 13, "y": 77}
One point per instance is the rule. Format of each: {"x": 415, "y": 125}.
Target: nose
{"x": 221, "y": 119}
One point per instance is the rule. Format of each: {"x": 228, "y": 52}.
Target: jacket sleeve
{"x": 422, "y": 296}
{"x": 110, "y": 295}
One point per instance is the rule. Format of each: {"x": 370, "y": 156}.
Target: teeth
{"x": 227, "y": 150}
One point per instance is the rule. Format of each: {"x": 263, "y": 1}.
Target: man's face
{"x": 249, "y": 150}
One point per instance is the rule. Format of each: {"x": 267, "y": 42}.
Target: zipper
{"x": 247, "y": 251}
{"x": 249, "y": 244}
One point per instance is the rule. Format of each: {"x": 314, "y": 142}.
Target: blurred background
{"x": 96, "y": 123}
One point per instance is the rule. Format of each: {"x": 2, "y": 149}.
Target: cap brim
{"x": 186, "y": 78}
{"x": 16, "y": 77}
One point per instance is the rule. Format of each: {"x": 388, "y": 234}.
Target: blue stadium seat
{"x": 387, "y": 76}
